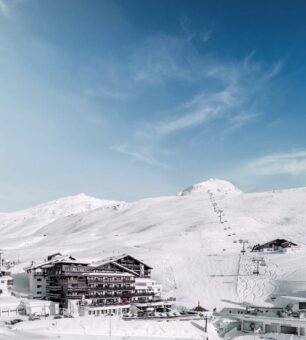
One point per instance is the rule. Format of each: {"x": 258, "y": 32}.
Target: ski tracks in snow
{"x": 254, "y": 288}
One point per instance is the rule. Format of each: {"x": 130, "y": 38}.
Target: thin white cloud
{"x": 4, "y": 9}
{"x": 107, "y": 92}
{"x": 184, "y": 122}
{"x": 241, "y": 83}
{"x": 228, "y": 91}
{"x": 201, "y": 109}
{"x": 143, "y": 155}
{"x": 163, "y": 57}
{"x": 291, "y": 163}
{"x": 204, "y": 107}
{"x": 277, "y": 68}
{"x": 206, "y": 35}
{"x": 190, "y": 34}
{"x": 242, "y": 118}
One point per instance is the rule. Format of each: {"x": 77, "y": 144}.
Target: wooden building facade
{"x": 104, "y": 283}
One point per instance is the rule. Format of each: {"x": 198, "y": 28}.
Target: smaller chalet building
{"x": 275, "y": 246}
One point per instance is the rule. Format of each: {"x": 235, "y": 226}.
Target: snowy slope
{"x": 26, "y": 221}
{"x": 190, "y": 239}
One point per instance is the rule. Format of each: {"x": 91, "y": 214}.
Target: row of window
{"x": 106, "y": 312}
{"x": 110, "y": 278}
{"x": 111, "y": 286}
{"x": 103, "y": 293}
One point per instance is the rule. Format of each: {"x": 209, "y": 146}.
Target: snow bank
{"x": 105, "y": 326}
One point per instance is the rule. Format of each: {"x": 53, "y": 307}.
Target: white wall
{"x": 37, "y": 283}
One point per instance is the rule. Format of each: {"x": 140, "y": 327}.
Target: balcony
{"x": 39, "y": 275}
{"x": 91, "y": 287}
{"x": 54, "y": 296}
{"x": 104, "y": 295}
{"x": 74, "y": 297}
{"x": 77, "y": 291}
{"x": 109, "y": 280}
{"x": 144, "y": 293}
{"x": 56, "y": 288}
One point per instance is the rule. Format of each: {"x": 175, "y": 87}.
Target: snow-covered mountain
{"x": 215, "y": 186}
{"x": 26, "y": 221}
{"x": 190, "y": 239}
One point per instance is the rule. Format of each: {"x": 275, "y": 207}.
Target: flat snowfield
{"x": 104, "y": 328}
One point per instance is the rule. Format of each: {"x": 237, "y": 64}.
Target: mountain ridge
{"x": 190, "y": 240}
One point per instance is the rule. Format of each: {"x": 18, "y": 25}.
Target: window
{"x": 302, "y": 305}
{"x": 38, "y": 292}
{"x": 38, "y": 286}
{"x": 39, "y": 279}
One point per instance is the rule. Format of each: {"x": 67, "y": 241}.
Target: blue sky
{"x": 131, "y": 99}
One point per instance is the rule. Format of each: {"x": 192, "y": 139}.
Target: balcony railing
{"x": 54, "y": 288}
{"x": 121, "y": 295}
{"x": 108, "y": 280}
{"x": 110, "y": 288}
{"x": 108, "y": 304}
{"x": 75, "y": 297}
{"x": 144, "y": 293}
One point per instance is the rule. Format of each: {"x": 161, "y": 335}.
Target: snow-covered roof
{"x": 36, "y": 302}
{"x": 57, "y": 259}
{"x": 293, "y": 298}
{"x": 277, "y": 242}
{"x": 113, "y": 259}
{"x": 96, "y": 264}
{"x": 8, "y": 301}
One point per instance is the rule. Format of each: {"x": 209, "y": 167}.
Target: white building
{"x": 146, "y": 288}
{"x": 89, "y": 309}
{"x": 284, "y": 320}
{"x": 37, "y": 277}
{"x": 10, "y": 307}
{"x": 6, "y": 281}
{"x": 39, "y": 307}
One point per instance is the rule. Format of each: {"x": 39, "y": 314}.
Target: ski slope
{"x": 190, "y": 239}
